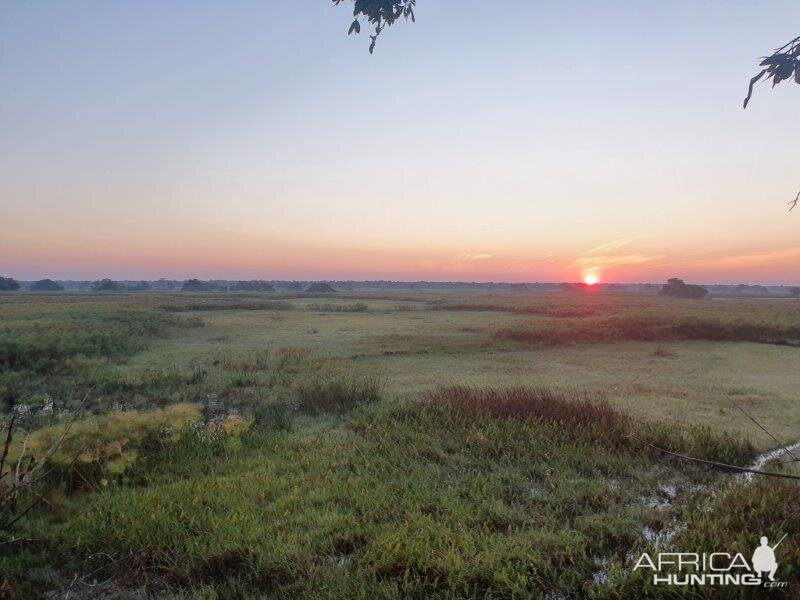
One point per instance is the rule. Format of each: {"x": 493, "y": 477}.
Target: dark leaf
{"x": 783, "y": 71}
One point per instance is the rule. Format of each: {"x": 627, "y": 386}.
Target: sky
{"x": 256, "y": 140}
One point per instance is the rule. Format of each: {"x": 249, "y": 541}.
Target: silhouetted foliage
{"x": 795, "y": 292}
{"x": 294, "y": 286}
{"x": 320, "y": 287}
{"x": 676, "y": 288}
{"x": 107, "y": 285}
{"x": 782, "y": 64}
{"x": 520, "y": 287}
{"x": 251, "y": 286}
{"x": 46, "y": 285}
{"x": 8, "y": 284}
{"x": 379, "y": 14}
{"x": 195, "y": 285}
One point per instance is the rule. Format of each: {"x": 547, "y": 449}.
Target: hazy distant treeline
{"x": 260, "y": 285}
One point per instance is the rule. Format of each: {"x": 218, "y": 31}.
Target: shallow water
{"x": 761, "y": 460}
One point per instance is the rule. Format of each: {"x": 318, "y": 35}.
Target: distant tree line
{"x": 108, "y": 285}
{"x": 677, "y": 288}
{"x": 9, "y": 284}
{"x": 196, "y": 285}
{"x": 46, "y": 285}
{"x": 254, "y": 285}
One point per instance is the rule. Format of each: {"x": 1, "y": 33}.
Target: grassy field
{"x": 383, "y": 445}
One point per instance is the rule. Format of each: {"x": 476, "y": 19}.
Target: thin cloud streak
{"x": 612, "y": 245}
{"x": 612, "y": 260}
{"x": 474, "y": 256}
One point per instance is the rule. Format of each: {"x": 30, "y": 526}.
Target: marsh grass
{"x": 338, "y": 395}
{"x": 358, "y": 307}
{"x": 649, "y": 328}
{"x": 467, "y": 493}
{"x": 560, "y": 306}
{"x": 567, "y": 407}
{"x": 65, "y": 351}
{"x": 272, "y": 416}
{"x": 44, "y": 347}
{"x": 572, "y": 408}
{"x": 190, "y": 304}
{"x": 295, "y": 474}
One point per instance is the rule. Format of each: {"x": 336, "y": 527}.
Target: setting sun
{"x": 590, "y": 278}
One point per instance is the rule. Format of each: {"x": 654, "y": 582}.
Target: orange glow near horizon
{"x": 201, "y": 248}
{"x": 591, "y": 278}
{"x": 209, "y": 253}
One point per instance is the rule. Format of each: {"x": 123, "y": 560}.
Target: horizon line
{"x": 399, "y": 281}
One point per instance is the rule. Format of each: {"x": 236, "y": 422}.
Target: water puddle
{"x": 767, "y": 457}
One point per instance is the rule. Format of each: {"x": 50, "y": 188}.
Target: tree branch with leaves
{"x": 783, "y": 64}
{"x": 380, "y": 14}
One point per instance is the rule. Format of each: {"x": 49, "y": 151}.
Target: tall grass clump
{"x": 339, "y": 395}
{"x": 195, "y": 444}
{"x": 568, "y": 407}
{"x": 699, "y": 441}
{"x": 609, "y": 425}
{"x": 272, "y": 417}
